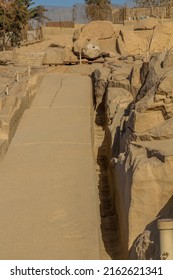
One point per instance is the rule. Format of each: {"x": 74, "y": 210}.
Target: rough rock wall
{"x": 12, "y": 108}
{"x": 109, "y": 92}
{"x": 137, "y": 109}
{"x": 18, "y": 58}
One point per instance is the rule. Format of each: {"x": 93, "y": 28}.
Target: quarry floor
{"x": 49, "y": 206}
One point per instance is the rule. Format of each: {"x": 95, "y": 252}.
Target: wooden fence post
{"x": 6, "y": 89}
{"x": 17, "y": 76}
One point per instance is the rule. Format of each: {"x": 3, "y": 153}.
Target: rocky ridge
{"x": 95, "y": 40}
{"x": 12, "y": 107}
{"x": 134, "y": 107}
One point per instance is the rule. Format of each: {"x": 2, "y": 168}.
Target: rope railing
{"x": 18, "y": 76}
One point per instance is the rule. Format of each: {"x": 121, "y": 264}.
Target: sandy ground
{"x": 62, "y": 39}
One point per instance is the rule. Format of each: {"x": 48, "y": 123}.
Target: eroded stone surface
{"x": 138, "y": 139}
{"x": 48, "y": 178}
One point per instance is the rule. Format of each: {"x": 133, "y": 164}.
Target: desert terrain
{"x": 86, "y": 148}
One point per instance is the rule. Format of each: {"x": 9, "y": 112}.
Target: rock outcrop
{"x": 138, "y": 137}
{"x": 95, "y": 39}
{"x": 144, "y": 38}
{"x": 164, "y": 32}
{"x": 146, "y": 24}
{"x": 57, "y": 54}
{"x": 12, "y": 108}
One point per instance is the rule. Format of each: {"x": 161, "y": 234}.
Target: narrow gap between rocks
{"x": 108, "y": 217}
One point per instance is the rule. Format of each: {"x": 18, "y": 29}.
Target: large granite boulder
{"x": 151, "y": 74}
{"x": 98, "y": 29}
{"x": 161, "y": 38}
{"x": 95, "y": 39}
{"x": 168, "y": 61}
{"x": 130, "y": 43}
{"x": 135, "y": 77}
{"x": 56, "y": 54}
{"x": 88, "y": 49}
{"x": 146, "y": 24}
{"x": 144, "y": 41}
